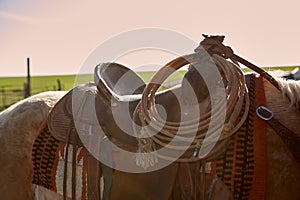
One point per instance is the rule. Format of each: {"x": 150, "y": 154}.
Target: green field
{"x": 48, "y": 83}
{"x": 43, "y": 83}
{"x": 12, "y": 88}
{"x": 287, "y": 68}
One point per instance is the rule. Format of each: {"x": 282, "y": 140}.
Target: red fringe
{"x": 83, "y": 154}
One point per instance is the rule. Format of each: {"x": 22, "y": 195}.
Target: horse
{"x": 177, "y": 181}
{"x": 281, "y": 164}
{"x": 19, "y": 125}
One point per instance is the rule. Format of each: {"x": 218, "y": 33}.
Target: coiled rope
{"x": 206, "y": 125}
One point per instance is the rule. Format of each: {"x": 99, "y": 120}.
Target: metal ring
{"x": 270, "y": 112}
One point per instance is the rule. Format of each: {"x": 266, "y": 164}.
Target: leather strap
{"x": 260, "y": 71}
{"x": 186, "y": 180}
{"x": 107, "y": 171}
{"x": 74, "y": 155}
{"x": 93, "y": 178}
{"x": 291, "y": 139}
{"x": 214, "y": 45}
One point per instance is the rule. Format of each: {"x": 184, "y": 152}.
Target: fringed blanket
{"x": 47, "y": 152}
{"x": 243, "y": 166}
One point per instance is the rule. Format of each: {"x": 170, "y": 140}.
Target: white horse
{"x": 19, "y": 126}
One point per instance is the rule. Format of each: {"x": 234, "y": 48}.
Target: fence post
{"x": 28, "y": 87}
{"x": 59, "y": 85}
{"x": 3, "y": 97}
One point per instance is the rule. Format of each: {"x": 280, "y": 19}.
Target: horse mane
{"x": 291, "y": 89}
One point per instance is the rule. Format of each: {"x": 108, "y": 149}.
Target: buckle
{"x": 264, "y": 113}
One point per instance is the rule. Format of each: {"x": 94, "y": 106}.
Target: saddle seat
{"x": 118, "y": 81}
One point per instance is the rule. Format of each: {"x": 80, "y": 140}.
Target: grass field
{"x": 287, "y": 68}
{"x": 12, "y": 88}
{"x": 46, "y": 83}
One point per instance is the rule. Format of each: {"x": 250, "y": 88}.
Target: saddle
{"x": 117, "y": 93}
{"x": 76, "y": 110}
{"x": 78, "y": 104}
{"x": 73, "y": 120}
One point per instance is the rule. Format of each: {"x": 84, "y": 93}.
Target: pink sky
{"x": 59, "y": 35}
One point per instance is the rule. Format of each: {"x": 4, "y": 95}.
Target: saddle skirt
{"x": 75, "y": 114}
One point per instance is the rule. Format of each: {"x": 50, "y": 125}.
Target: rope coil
{"x": 210, "y": 121}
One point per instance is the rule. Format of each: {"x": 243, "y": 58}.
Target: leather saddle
{"x": 77, "y": 108}
{"x": 109, "y": 104}
{"x": 119, "y": 91}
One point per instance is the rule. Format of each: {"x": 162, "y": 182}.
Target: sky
{"x": 59, "y": 36}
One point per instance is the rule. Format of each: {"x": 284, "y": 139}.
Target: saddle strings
{"x": 236, "y": 96}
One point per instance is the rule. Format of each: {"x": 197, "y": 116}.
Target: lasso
{"x": 151, "y": 121}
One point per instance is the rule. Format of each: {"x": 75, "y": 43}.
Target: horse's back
{"x": 283, "y": 171}
{"x": 19, "y": 126}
